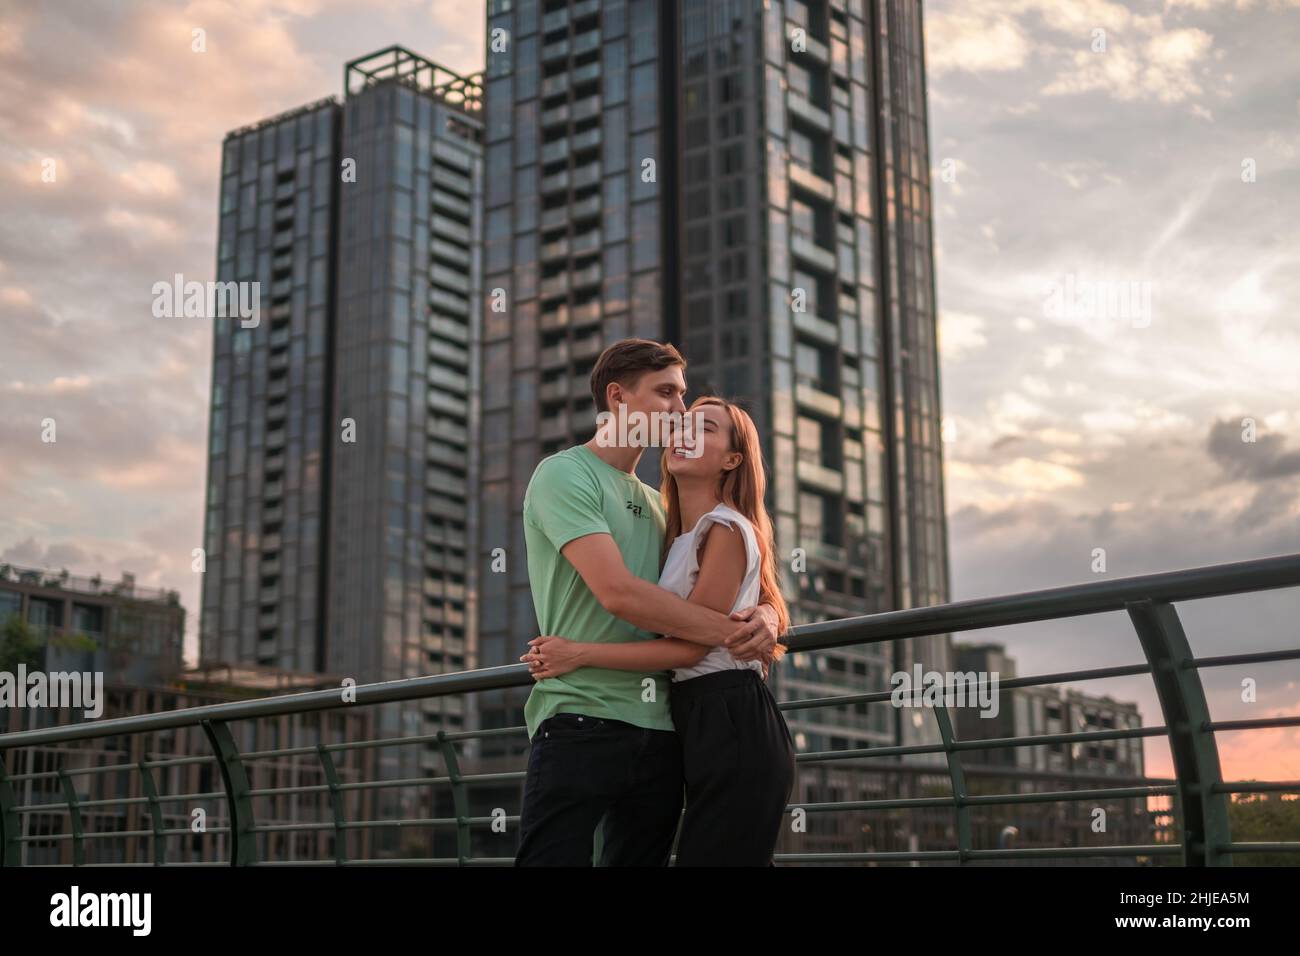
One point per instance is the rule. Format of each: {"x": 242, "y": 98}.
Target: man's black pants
{"x": 583, "y": 768}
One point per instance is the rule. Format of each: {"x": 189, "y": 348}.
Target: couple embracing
{"x": 661, "y": 612}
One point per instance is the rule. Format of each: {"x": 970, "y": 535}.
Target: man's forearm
{"x": 659, "y": 610}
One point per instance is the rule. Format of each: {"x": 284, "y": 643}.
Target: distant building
{"x": 131, "y": 634}
{"x": 1030, "y": 711}
{"x": 1035, "y": 711}
{"x": 118, "y": 801}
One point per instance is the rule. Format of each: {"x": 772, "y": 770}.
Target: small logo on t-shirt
{"x": 636, "y": 510}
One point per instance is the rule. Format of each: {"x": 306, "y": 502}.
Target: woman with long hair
{"x": 737, "y": 751}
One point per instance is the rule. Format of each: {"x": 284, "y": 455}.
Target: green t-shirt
{"x": 574, "y": 493}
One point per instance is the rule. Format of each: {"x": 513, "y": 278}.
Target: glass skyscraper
{"x": 340, "y": 505}
{"x": 266, "y": 521}
{"x": 750, "y": 181}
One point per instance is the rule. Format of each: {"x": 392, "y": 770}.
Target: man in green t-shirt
{"x": 603, "y": 743}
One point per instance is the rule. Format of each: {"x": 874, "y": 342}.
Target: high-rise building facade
{"x": 747, "y": 179}
{"x": 266, "y": 524}
{"x": 339, "y": 494}
{"x": 405, "y": 379}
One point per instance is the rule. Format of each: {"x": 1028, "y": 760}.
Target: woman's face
{"x": 713, "y": 442}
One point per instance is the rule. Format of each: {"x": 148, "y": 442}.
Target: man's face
{"x": 655, "y": 393}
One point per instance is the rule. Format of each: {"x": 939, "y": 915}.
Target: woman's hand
{"x": 550, "y": 656}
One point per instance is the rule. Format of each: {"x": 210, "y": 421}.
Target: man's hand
{"x": 757, "y": 637}
{"x": 550, "y": 656}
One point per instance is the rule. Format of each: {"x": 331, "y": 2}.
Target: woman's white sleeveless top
{"x": 682, "y": 568}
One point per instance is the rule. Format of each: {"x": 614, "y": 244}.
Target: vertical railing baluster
{"x": 10, "y": 828}
{"x": 459, "y": 799}
{"x": 155, "y": 813}
{"x": 243, "y": 839}
{"x": 1204, "y": 813}
{"x": 958, "y": 779}
{"x": 336, "y": 803}
{"x": 74, "y": 821}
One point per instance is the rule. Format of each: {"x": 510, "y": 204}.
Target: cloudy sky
{"x": 1148, "y": 148}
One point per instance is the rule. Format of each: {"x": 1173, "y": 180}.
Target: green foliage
{"x": 19, "y": 644}
{"x": 77, "y": 641}
{"x": 1265, "y": 818}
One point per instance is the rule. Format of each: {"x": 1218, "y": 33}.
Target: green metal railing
{"x": 1198, "y": 792}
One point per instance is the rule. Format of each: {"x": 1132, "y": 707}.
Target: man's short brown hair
{"x": 626, "y": 361}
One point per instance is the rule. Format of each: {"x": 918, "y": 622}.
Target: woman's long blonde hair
{"x": 742, "y": 488}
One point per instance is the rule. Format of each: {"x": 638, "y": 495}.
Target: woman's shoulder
{"x": 726, "y": 515}
{"x": 724, "y": 510}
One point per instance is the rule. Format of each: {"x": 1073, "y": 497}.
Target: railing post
{"x": 1192, "y": 745}
{"x": 243, "y": 840}
{"x": 74, "y": 818}
{"x": 958, "y": 779}
{"x": 10, "y": 828}
{"x": 155, "y": 813}
{"x": 458, "y": 797}
{"x": 336, "y": 803}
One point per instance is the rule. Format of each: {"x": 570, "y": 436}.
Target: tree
{"x": 19, "y": 644}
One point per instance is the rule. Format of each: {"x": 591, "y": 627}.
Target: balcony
{"x": 456, "y": 281}
{"x": 555, "y": 116}
{"x": 442, "y": 455}
{"x": 436, "y": 479}
{"x": 805, "y": 248}
{"x": 586, "y": 42}
{"x": 586, "y": 314}
{"x": 449, "y": 329}
{"x": 823, "y": 330}
{"x": 447, "y": 302}
{"x": 556, "y": 318}
{"x": 553, "y": 356}
{"x": 820, "y": 477}
{"x": 589, "y": 347}
{"x": 554, "y": 426}
{"x": 554, "y": 286}
{"x": 814, "y": 47}
{"x": 553, "y": 391}
{"x": 555, "y": 20}
{"x": 805, "y": 178}
{"x": 587, "y": 175}
{"x": 555, "y": 51}
{"x": 556, "y": 249}
{"x": 444, "y": 178}
{"x": 586, "y": 108}
{"x": 447, "y": 431}
{"x": 450, "y": 229}
{"x": 556, "y": 182}
{"x": 450, "y": 252}
{"x": 442, "y": 402}
{"x": 814, "y": 398}
{"x": 798, "y": 105}
{"x": 590, "y": 276}
{"x": 953, "y": 827}
{"x": 561, "y": 215}
{"x": 446, "y": 202}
